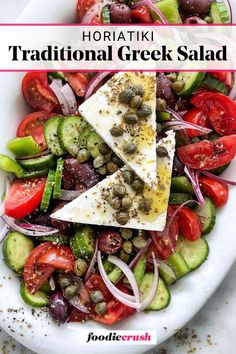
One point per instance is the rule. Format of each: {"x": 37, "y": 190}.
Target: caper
{"x": 208, "y": 19}
{"x": 117, "y": 160}
{"x": 136, "y": 102}
{"x": 80, "y": 267}
{"x": 126, "y": 203}
{"x": 158, "y": 128}
{"x": 145, "y": 205}
{"x": 144, "y": 111}
{"x": 122, "y": 217}
{"x": 101, "y": 308}
{"x": 128, "y": 176}
{"x": 71, "y": 291}
{"x": 137, "y": 185}
{"x": 161, "y": 105}
{"x": 99, "y": 161}
{"x": 64, "y": 280}
{"x": 102, "y": 171}
{"x": 127, "y": 247}
{"x": 74, "y": 150}
{"x": 126, "y": 96}
{"x": 124, "y": 256}
{"x": 116, "y": 131}
{"x": 138, "y": 90}
{"x": 130, "y": 118}
{"x": 139, "y": 242}
{"x": 161, "y": 151}
{"x": 112, "y": 167}
{"x": 126, "y": 234}
{"x": 104, "y": 149}
{"x": 172, "y": 77}
{"x": 177, "y": 86}
{"x": 96, "y": 296}
{"x": 83, "y": 155}
{"x": 115, "y": 203}
{"x": 130, "y": 148}
{"x": 119, "y": 190}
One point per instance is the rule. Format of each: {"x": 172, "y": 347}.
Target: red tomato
{"x": 223, "y": 76}
{"x": 58, "y": 256}
{"x": 32, "y": 125}
{"x": 78, "y": 82}
{"x": 195, "y": 116}
{"x": 219, "y": 109}
{"x": 95, "y": 282}
{"x": 217, "y": 191}
{"x": 38, "y": 94}
{"x": 24, "y": 196}
{"x": 34, "y": 274}
{"x": 164, "y": 241}
{"x": 116, "y": 311}
{"x": 208, "y": 155}
{"x": 141, "y": 15}
{"x": 83, "y": 6}
{"x": 189, "y": 224}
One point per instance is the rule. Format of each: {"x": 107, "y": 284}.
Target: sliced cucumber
{"x": 51, "y": 137}
{"x": 162, "y": 296}
{"x": 16, "y": 249}
{"x": 219, "y": 13}
{"x": 106, "y": 15}
{"x": 115, "y": 275}
{"x": 38, "y": 163}
{"x": 39, "y": 299}
{"x": 191, "y": 81}
{"x": 170, "y": 10}
{"x": 167, "y": 273}
{"x": 68, "y": 132}
{"x": 84, "y": 135}
{"x": 194, "y": 253}
{"x": 180, "y": 198}
{"x": 207, "y": 214}
{"x": 163, "y": 117}
{"x": 216, "y": 85}
{"x": 139, "y": 270}
{"x": 47, "y": 193}
{"x": 46, "y": 288}
{"x": 93, "y": 143}
{"x": 9, "y": 165}
{"x": 24, "y": 146}
{"x": 181, "y": 184}
{"x": 177, "y": 262}
{"x": 56, "y": 239}
{"x": 32, "y": 174}
{"x": 58, "y": 178}
{"x": 83, "y": 243}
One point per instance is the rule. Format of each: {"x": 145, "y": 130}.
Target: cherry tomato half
{"x": 141, "y": 15}
{"x": 217, "y": 191}
{"x": 83, "y": 6}
{"x": 33, "y": 125}
{"x": 24, "y": 196}
{"x": 95, "y": 282}
{"x": 208, "y": 155}
{"x": 219, "y": 109}
{"x": 189, "y": 224}
{"x": 38, "y": 94}
{"x": 195, "y": 116}
{"x": 58, "y": 256}
{"x": 35, "y": 274}
{"x": 78, "y": 82}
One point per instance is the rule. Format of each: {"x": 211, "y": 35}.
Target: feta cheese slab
{"x": 92, "y": 206}
{"x": 104, "y": 111}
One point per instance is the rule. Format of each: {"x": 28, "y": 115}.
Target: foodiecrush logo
{"x": 139, "y": 337}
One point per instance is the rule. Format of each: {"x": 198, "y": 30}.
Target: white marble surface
{"x": 211, "y": 331}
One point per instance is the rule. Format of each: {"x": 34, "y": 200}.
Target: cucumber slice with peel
{"x": 191, "y": 80}
{"x": 181, "y": 184}
{"x": 38, "y": 163}
{"x": 68, "y": 132}
{"x": 58, "y": 179}
{"x": 162, "y": 297}
{"x": 51, "y": 135}
{"x": 47, "y": 193}
{"x": 39, "y": 299}
{"x": 177, "y": 262}
{"x": 219, "y": 13}
{"x": 167, "y": 273}
{"x": 170, "y": 10}
{"x": 207, "y": 214}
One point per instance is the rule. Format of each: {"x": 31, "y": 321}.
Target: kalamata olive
{"x": 120, "y": 13}
{"x": 58, "y": 307}
{"x": 109, "y": 242}
{"x": 64, "y": 227}
{"x": 40, "y": 218}
{"x": 164, "y": 89}
{"x": 82, "y": 173}
{"x": 195, "y": 7}
{"x": 178, "y": 167}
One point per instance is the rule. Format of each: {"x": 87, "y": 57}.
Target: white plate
{"x": 188, "y": 295}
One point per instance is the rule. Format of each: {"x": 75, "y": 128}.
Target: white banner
{"x": 94, "y": 48}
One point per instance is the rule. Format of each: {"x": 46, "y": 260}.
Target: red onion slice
{"x": 150, "y": 4}
{"x": 68, "y": 195}
{"x": 95, "y": 10}
{"x": 61, "y": 98}
{"x": 193, "y": 176}
{"x": 229, "y": 9}
{"x": 94, "y": 83}
{"x": 70, "y": 98}
{"x": 92, "y": 262}
{"x": 195, "y": 20}
{"x": 218, "y": 178}
{"x": 178, "y": 125}
{"x": 36, "y": 227}
{"x": 52, "y": 283}
{"x": 11, "y": 223}
{"x": 4, "y": 232}
{"x": 76, "y": 302}
{"x": 128, "y": 273}
{"x": 232, "y": 93}
{"x": 153, "y": 290}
